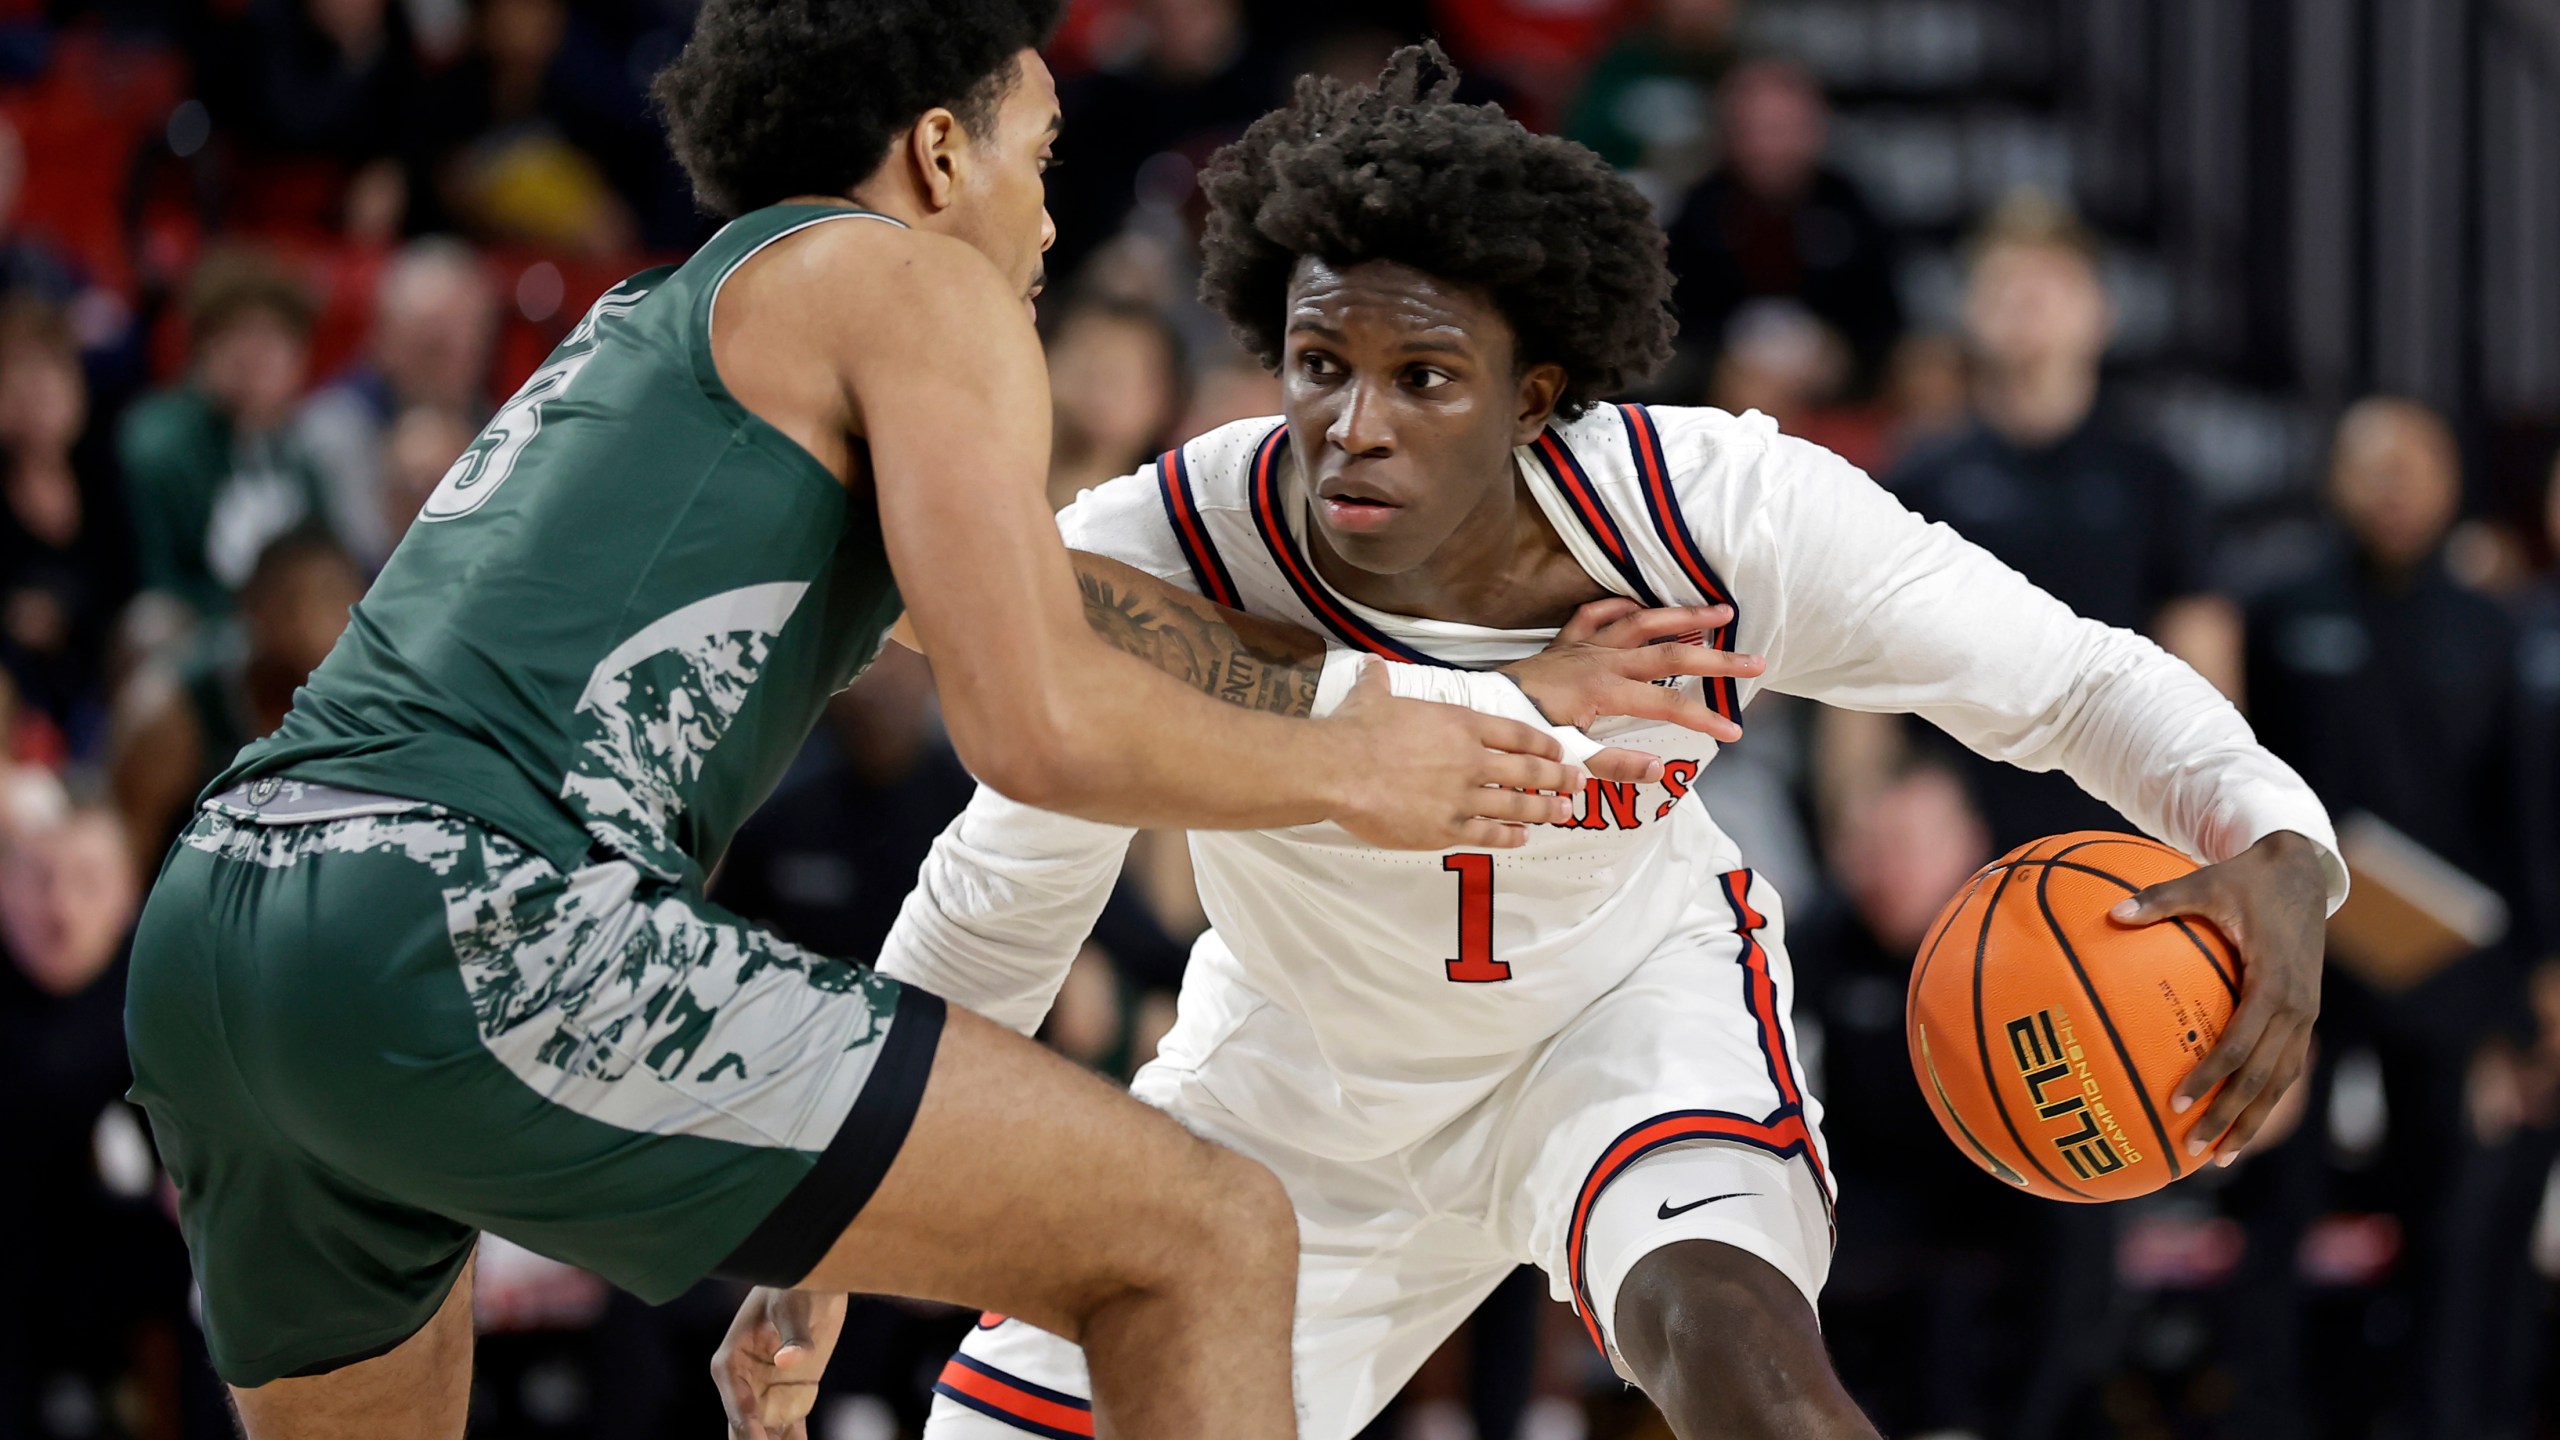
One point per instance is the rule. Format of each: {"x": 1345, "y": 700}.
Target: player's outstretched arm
{"x": 1601, "y": 665}
{"x": 1895, "y": 614}
{"x": 945, "y": 381}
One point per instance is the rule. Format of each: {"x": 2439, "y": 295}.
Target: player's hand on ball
{"x": 767, "y": 1366}
{"x": 1604, "y": 663}
{"x": 2270, "y": 899}
{"x": 1421, "y": 776}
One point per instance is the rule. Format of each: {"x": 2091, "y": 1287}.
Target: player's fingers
{"x": 1639, "y": 701}
{"x": 1489, "y": 835}
{"x": 2189, "y": 894}
{"x": 1520, "y": 807}
{"x": 786, "y": 1403}
{"x": 1643, "y": 627}
{"x": 1626, "y": 767}
{"x": 1593, "y": 618}
{"x": 2254, "y": 1119}
{"x": 1526, "y": 772}
{"x": 1495, "y": 733}
{"x": 2247, "y": 1029}
{"x": 1662, "y": 662}
{"x": 2255, "y": 1069}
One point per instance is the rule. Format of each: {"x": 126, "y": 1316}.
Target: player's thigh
{"x": 1682, "y": 1079}
{"x": 1029, "y": 1186}
{"x": 418, "y": 1390}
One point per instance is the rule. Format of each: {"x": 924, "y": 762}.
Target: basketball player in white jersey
{"x": 1576, "y": 1053}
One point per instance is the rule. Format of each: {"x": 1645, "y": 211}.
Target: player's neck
{"x": 1504, "y": 568}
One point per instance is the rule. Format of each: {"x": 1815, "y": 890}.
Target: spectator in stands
{"x": 97, "y": 1277}
{"x": 435, "y": 322}
{"x": 1191, "y": 82}
{"x": 1536, "y": 51}
{"x": 1648, "y": 105}
{"x": 1772, "y": 221}
{"x": 26, "y": 264}
{"x": 2392, "y": 689}
{"x": 65, "y": 556}
{"x": 517, "y": 144}
{"x": 178, "y": 726}
{"x": 316, "y": 92}
{"x": 211, "y": 472}
{"x": 1115, "y": 382}
{"x": 2061, "y": 488}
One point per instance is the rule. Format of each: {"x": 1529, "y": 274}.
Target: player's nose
{"x": 1360, "y": 426}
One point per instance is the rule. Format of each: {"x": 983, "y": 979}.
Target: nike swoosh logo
{"x": 1668, "y": 1209}
{"x": 1991, "y": 1162}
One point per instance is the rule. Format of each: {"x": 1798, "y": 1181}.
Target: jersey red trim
{"x": 1565, "y": 469}
{"x": 1182, "y": 512}
{"x": 1653, "y": 470}
{"x": 1783, "y": 1132}
{"x": 1783, "y": 1135}
{"x": 982, "y": 1387}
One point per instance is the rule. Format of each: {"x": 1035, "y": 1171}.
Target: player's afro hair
{"x": 776, "y": 98}
{"x": 1567, "y": 249}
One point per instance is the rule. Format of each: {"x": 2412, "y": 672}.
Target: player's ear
{"x": 1541, "y": 386}
{"x": 933, "y": 148}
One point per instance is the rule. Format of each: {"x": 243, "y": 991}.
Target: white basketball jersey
{"x": 1414, "y": 983}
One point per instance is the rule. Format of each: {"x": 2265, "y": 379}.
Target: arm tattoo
{"x": 1204, "y": 646}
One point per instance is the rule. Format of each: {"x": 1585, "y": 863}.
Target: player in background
{"x": 1577, "y": 1054}
{"x": 434, "y": 958}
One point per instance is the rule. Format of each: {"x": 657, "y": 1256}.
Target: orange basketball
{"x": 2048, "y": 1037}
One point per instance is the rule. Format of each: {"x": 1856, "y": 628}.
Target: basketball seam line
{"x": 2133, "y": 1072}
{"x": 2229, "y": 982}
{"x": 1982, "y": 1042}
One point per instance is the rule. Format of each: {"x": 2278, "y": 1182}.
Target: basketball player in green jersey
{"x": 435, "y": 959}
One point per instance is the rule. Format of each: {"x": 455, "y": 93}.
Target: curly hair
{"x": 776, "y": 98}
{"x": 1567, "y": 249}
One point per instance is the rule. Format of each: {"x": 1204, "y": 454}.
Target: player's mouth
{"x": 1356, "y": 514}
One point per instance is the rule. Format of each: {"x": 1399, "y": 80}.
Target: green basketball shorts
{"x": 367, "y": 1029}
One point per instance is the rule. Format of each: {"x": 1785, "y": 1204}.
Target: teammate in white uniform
{"x": 1575, "y": 1054}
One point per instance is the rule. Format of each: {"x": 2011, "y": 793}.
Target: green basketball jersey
{"x": 619, "y": 615}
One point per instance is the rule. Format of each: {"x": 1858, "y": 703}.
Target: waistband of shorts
{"x": 282, "y": 800}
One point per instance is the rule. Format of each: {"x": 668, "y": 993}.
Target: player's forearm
{"x": 1113, "y": 740}
{"x": 1226, "y": 654}
{"x": 2141, "y": 730}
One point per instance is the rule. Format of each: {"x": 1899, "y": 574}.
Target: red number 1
{"x": 1475, "y": 964}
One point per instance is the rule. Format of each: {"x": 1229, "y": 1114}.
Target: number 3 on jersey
{"x": 1475, "y": 964}
{"x": 491, "y": 458}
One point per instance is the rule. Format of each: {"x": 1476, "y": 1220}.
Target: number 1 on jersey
{"x": 1475, "y": 964}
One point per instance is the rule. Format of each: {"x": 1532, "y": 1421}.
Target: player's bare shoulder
{"x": 811, "y": 330}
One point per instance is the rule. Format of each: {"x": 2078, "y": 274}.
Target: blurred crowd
{"x": 266, "y": 266}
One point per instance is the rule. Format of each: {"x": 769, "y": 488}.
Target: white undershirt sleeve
{"x": 1002, "y": 905}
{"x": 1883, "y": 611}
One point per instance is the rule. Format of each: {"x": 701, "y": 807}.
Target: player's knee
{"x": 1249, "y": 1228}
{"x": 1709, "y": 1328}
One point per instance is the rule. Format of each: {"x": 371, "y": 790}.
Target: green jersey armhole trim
{"x": 706, "y": 367}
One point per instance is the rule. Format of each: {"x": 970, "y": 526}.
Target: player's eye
{"x": 1318, "y": 365}
{"x": 1423, "y": 377}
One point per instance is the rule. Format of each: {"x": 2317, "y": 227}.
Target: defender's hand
{"x": 767, "y": 1366}
{"x": 1420, "y": 776}
{"x": 1605, "y": 660}
{"x": 2271, "y": 900}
